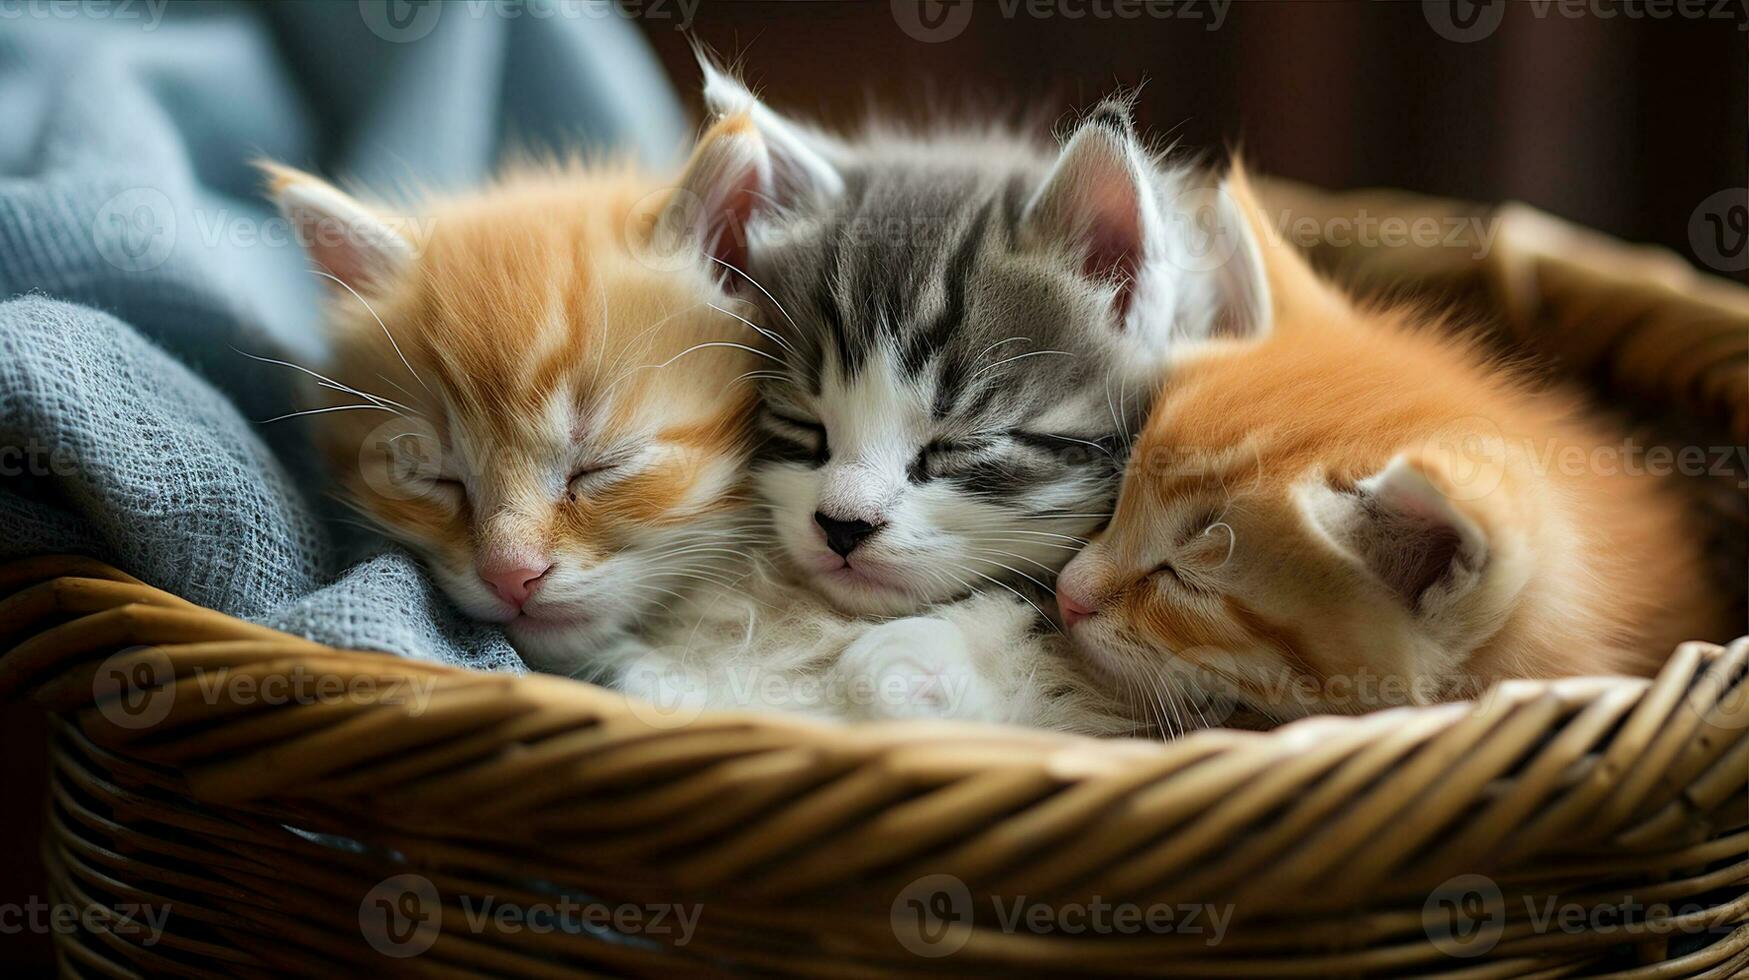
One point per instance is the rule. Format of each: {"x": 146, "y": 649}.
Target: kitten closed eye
{"x": 581, "y": 477}
{"x": 807, "y": 435}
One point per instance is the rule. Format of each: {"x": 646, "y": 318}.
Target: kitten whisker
{"x": 392, "y": 343}
{"x": 1045, "y": 534}
{"x": 324, "y": 411}
{"x": 1072, "y": 549}
{"x": 327, "y": 382}
{"x": 999, "y": 343}
{"x": 767, "y": 334}
{"x": 1009, "y": 568}
{"x": 1017, "y": 594}
{"x": 756, "y": 285}
{"x": 716, "y": 343}
{"x": 1010, "y": 360}
{"x": 1009, "y": 554}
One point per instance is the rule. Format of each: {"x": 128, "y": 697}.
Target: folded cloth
{"x": 139, "y": 262}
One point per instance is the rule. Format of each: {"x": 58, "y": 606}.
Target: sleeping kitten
{"x": 970, "y": 327}
{"x": 539, "y": 398}
{"x": 1346, "y": 508}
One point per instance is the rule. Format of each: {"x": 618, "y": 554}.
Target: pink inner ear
{"x": 1114, "y": 243}
{"x": 1105, "y": 211}
{"x": 731, "y": 210}
{"x": 338, "y": 248}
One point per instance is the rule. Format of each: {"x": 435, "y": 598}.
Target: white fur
{"x": 767, "y": 644}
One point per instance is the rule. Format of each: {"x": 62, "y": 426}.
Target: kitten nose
{"x": 843, "y": 536}
{"x": 1073, "y": 610}
{"x": 514, "y": 580}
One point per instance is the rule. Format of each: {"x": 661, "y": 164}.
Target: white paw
{"x": 913, "y": 668}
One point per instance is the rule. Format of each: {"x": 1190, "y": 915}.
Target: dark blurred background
{"x": 1623, "y": 116}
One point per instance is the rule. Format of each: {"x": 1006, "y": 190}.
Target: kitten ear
{"x": 1239, "y": 307}
{"x": 340, "y": 233}
{"x": 1097, "y": 202}
{"x": 718, "y": 195}
{"x": 1408, "y": 531}
{"x": 801, "y": 169}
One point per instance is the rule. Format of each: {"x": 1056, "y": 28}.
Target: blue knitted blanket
{"x": 138, "y": 259}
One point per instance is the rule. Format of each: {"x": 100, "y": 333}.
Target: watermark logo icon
{"x": 135, "y": 688}
{"x": 1465, "y": 916}
{"x": 663, "y": 229}
{"x": 135, "y": 230}
{"x": 1209, "y": 229}
{"x": 400, "y": 21}
{"x": 401, "y": 459}
{"x": 932, "y": 21}
{"x": 1464, "y": 21}
{"x": 1718, "y": 231}
{"x": 1473, "y": 451}
{"x": 932, "y": 916}
{"x": 402, "y": 916}
{"x": 663, "y": 692}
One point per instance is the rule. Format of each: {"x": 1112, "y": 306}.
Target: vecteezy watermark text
{"x": 402, "y": 916}
{"x": 406, "y": 21}
{"x": 935, "y": 21}
{"x": 1464, "y": 21}
{"x": 934, "y": 916}
{"x": 148, "y": 12}
{"x": 136, "y": 688}
{"x": 1466, "y": 916}
{"x": 127, "y": 919}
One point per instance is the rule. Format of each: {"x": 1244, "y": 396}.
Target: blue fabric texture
{"x": 138, "y": 259}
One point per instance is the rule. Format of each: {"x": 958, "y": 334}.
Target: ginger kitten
{"x": 544, "y": 395}
{"x": 1348, "y": 508}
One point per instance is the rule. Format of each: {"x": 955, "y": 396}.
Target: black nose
{"x": 843, "y": 536}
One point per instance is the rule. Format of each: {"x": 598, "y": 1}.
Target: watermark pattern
{"x": 35, "y": 458}
{"x": 129, "y": 920}
{"x": 148, "y": 13}
{"x": 1466, "y": 916}
{"x": 135, "y": 230}
{"x": 938, "y": 21}
{"x": 1718, "y": 231}
{"x": 407, "y": 21}
{"x": 1467, "y": 21}
{"x": 136, "y": 688}
{"x": 1477, "y": 449}
{"x": 402, "y": 916}
{"x": 935, "y": 916}
{"x": 665, "y": 691}
{"x": 139, "y": 229}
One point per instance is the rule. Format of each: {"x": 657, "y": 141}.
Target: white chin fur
{"x": 866, "y": 600}
{"x": 560, "y": 649}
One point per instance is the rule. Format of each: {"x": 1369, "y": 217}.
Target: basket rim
{"x": 1559, "y": 787}
{"x": 78, "y": 573}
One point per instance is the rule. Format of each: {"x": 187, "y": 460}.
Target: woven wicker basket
{"x": 275, "y": 805}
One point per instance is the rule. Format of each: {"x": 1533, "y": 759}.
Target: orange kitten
{"x": 1347, "y": 509}
{"x": 539, "y": 395}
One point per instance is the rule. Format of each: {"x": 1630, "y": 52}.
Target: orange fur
{"x": 537, "y": 328}
{"x": 1213, "y": 572}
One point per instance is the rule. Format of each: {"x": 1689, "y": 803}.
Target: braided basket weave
{"x": 295, "y": 808}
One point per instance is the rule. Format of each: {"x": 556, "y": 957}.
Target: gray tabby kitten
{"x": 968, "y": 329}
{"x": 973, "y": 328}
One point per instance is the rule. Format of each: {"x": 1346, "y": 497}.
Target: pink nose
{"x": 1072, "y": 609}
{"x": 514, "y": 581}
